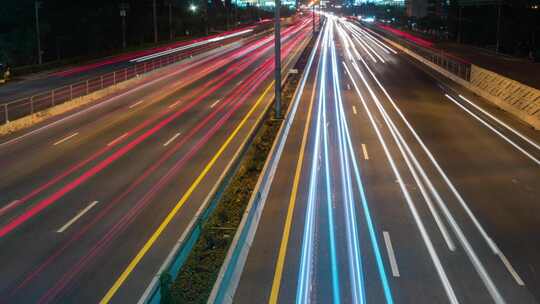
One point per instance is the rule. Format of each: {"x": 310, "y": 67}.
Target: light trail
{"x": 348, "y": 150}
{"x": 329, "y": 202}
{"x": 353, "y": 246}
{"x": 425, "y": 236}
{"x": 486, "y": 279}
{"x": 190, "y": 46}
{"x": 305, "y": 273}
{"x": 381, "y": 44}
{"x": 442, "y": 228}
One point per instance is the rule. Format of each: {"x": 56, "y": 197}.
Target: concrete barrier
{"x": 511, "y": 96}
{"x": 521, "y": 100}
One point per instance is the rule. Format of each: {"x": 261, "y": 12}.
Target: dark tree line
{"x": 93, "y": 28}
{"x": 475, "y": 24}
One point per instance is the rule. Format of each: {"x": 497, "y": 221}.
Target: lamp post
{"x": 277, "y": 60}
{"x": 154, "y": 13}
{"x": 37, "y": 6}
{"x": 123, "y": 12}
{"x": 499, "y": 19}
{"x": 171, "y": 32}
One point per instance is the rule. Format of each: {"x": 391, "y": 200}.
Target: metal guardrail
{"x": 30, "y": 105}
{"x": 444, "y": 60}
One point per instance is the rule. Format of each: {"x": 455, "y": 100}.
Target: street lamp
{"x": 193, "y": 8}
{"x": 123, "y": 12}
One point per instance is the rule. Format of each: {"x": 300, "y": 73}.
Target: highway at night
{"x": 391, "y": 169}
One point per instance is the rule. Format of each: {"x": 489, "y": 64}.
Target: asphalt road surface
{"x": 396, "y": 186}
{"x": 92, "y": 202}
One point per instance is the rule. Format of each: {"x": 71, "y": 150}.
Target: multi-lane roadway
{"x": 395, "y": 186}
{"x": 93, "y": 201}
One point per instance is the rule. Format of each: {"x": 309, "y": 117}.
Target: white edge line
{"x": 525, "y": 138}
{"x": 508, "y": 140}
{"x": 511, "y": 269}
{"x": 391, "y": 254}
{"x": 78, "y": 216}
{"x": 66, "y": 138}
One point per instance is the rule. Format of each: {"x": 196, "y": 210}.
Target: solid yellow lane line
{"x": 292, "y": 202}
{"x": 150, "y": 242}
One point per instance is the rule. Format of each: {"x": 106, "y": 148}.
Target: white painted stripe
{"x": 175, "y": 104}
{"x": 117, "y": 139}
{"x": 364, "y": 150}
{"x": 136, "y": 104}
{"x": 215, "y": 103}
{"x": 391, "y": 254}
{"x": 532, "y": 143}
{"x": 508, "y": 140}
{"x": 7, "y": 207}
{"x": 78, "y": 216}
{"x": 354, "y": 110}
{"x": 66, "y": 138}
{"x": 511, "y": 269}
{"x": 172, "y": 139}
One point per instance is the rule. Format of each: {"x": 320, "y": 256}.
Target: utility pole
{"x": 155, "y": 21}
{"x": 460, "y": 18}
{"x": 37, "y": 6}
{"x": 313, "y": 19}
{"x": 235, "y": 13}
{"x": 499, "y": 19}
{"x": 277, "y": 59}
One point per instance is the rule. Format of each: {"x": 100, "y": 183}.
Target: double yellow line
{"x": 150, "y": 242}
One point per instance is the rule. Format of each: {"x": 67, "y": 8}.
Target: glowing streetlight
{"x": 193, "y": 8}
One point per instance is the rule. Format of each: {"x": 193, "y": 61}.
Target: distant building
{"x": 265, "y": 4}
{"x": 423, "y": 8}
{"x": 379, "y": 2}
